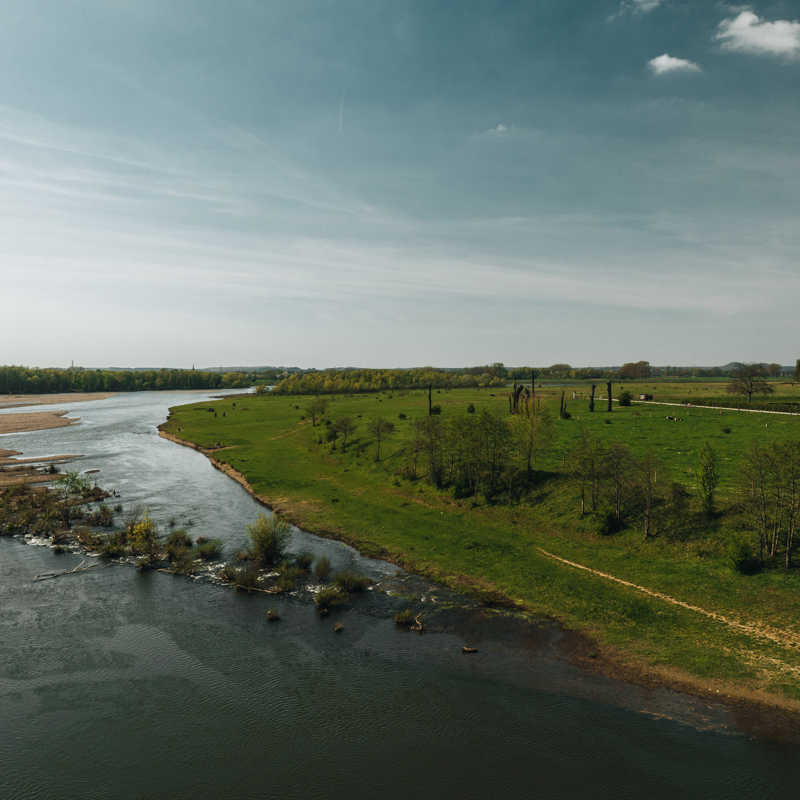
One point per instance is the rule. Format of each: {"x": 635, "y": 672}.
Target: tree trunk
{"x": 608, "y": 386}
{"x": 430, "y": 387}
{"x": 561, "y": 408}
{"x": 591, "y": 401}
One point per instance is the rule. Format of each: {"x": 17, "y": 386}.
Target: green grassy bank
{"x": 495, "y": 549}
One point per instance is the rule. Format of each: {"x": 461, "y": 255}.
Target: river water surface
{"x": 118, "y": 683}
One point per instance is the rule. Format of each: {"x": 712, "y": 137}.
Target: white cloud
{"x": 750, "y": 34}
{"x": 666, "y": 63}
{"x": 636, "y": 7}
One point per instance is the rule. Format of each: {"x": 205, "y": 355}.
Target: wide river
{"x": 121, "y": 684}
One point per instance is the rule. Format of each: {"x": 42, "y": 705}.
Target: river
{"x": 118, "y": 683}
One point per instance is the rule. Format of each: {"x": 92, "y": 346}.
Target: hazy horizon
{"x": 371, "y": 183}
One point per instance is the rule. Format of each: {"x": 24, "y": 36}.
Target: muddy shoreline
{"x": 757, "y": 712}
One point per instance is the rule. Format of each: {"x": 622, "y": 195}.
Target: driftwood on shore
{"x": 79, "y": 568}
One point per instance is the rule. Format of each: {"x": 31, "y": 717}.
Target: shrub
{"x": 209, "y": 550}
{"x": 404, "y": 617}
{"x": 112, "y": 549}
{"x": 323, "y": 568}
{"x": 349, "y": 581}
{"x": 401, "y": 415}
{"x": 743, "y": 560}
{"x": 436, "y": 410}
{"x": 246, "y": 578}
{"x": 102, "y": 517}
{"x": 273, "y": 615}
{"x": 286, "y": 581}
{"x": 625, "y": 398}
{"x": 304, "y": 560}
{"x": 269, "y": 538}
{"x": 328, "y": 598}
{"x": 184, "y": 564}
{"x": 177, "y": 543}
{"x": 607, "y": 523}
{"x": 726, "y": 429}
{"x": 471, "y": 408}
{"x": 228, "y": 572}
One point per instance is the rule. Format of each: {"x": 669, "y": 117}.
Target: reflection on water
{"x": 117, "y": 683}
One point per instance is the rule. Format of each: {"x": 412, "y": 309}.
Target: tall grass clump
{"x": 328, "y": 598}
{"x": 350, "y": 581}
{"x": 304, "y": 560}
{"x": 209, "y": 550}
{"x": 323, "y": 568}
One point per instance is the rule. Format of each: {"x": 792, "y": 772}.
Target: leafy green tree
{"x": 269, "y": 538}
{"x": 707, "y": 477}
{"x": 534, "y": 432}
{"x": 796, "y": 376}
{"x": 749, "y": 379}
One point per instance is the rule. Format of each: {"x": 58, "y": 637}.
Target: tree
{"x": 649, "y": 488}
{"x": 344, "y": 426}
{"x": 144, "y": 539}
{"x": 616, "y": 468}
{"x": 69, "y": 489}
{"x": 379, "y": 429}
{"x": 317, "y": 407}
{"x": 796, "y": 376}
{"x": 639, "y": 370}
{"x": 269, "y": 538}
{"x": 774, "y": 370}
{"x": 749, "y": 379}
{"x": 534, "y": 431}
{"x": 707, "y": 477}
{"x": 584, "y": 467}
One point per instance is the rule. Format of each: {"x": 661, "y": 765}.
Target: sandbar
{"x": 37, "y": 421}
{"x": 17, "y": 400}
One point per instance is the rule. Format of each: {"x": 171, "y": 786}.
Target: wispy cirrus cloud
{"x": 748, "y": 33}
{"x": 667, "y": 63}
{"x": 636, "y": 7}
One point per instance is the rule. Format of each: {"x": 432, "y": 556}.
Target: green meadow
{"x": 494, "y": 550}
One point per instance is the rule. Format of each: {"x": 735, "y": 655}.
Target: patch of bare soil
{"x": 36, "y": 421}
{"x": 16, "y": 400}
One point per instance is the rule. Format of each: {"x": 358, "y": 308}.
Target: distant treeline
{"x": 497, "y": 375}
{"x": 26, "y": 380}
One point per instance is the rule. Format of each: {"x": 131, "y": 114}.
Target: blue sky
{"x": 398, "y": 183}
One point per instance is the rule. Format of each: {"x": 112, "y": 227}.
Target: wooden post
{"x": 561, "y": 409}
{"x": 591, "y": 401}
{"x": 608, "y": 386}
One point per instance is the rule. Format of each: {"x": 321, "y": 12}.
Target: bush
{"x": 323, "y": 568}
{"x": 269, "y": 538}
{"x": 404, "y": 617}
{"x": 349, "y": 581}
{"x": 273, "y": 615}
{"x": 726, "y": 429}
{"x": 625, "y": 398}
{"x": 436, "y": 410}
{"x": 471, "y": 408}
{"x": 208, "y": 550}
{"x": 112, "y": 549}
{"x": 743, "y": 560}
{"x": 304, "y": 560}
{"x": 246, "y": 579}
{"x": 228, "y": 572}
{"x": 401, "y": 415}
{"x": 607, "y": 523}
{"x": 176, "y": 544}
{"x": 328, "y": 598}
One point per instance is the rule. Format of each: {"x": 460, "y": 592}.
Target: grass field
{"x": 500, "y": 549}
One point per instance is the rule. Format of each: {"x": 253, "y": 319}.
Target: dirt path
{"x": 758, "y": 630}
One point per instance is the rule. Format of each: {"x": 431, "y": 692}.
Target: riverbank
{"x": 584, "y": 647}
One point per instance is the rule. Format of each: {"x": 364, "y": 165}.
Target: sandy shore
{"x": 17, "y": 400}
{"x": 37, "y": 421}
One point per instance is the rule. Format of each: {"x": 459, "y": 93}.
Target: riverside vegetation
{"x": 678, "y": 524}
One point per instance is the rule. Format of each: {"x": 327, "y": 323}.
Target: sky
{"x": 398, "y": 183}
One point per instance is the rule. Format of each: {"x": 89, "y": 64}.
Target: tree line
{"x": 33, "y": 380}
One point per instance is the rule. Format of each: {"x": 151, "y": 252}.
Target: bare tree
{"x": 378, "y": 429}
{"x": 749, "y": 379}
